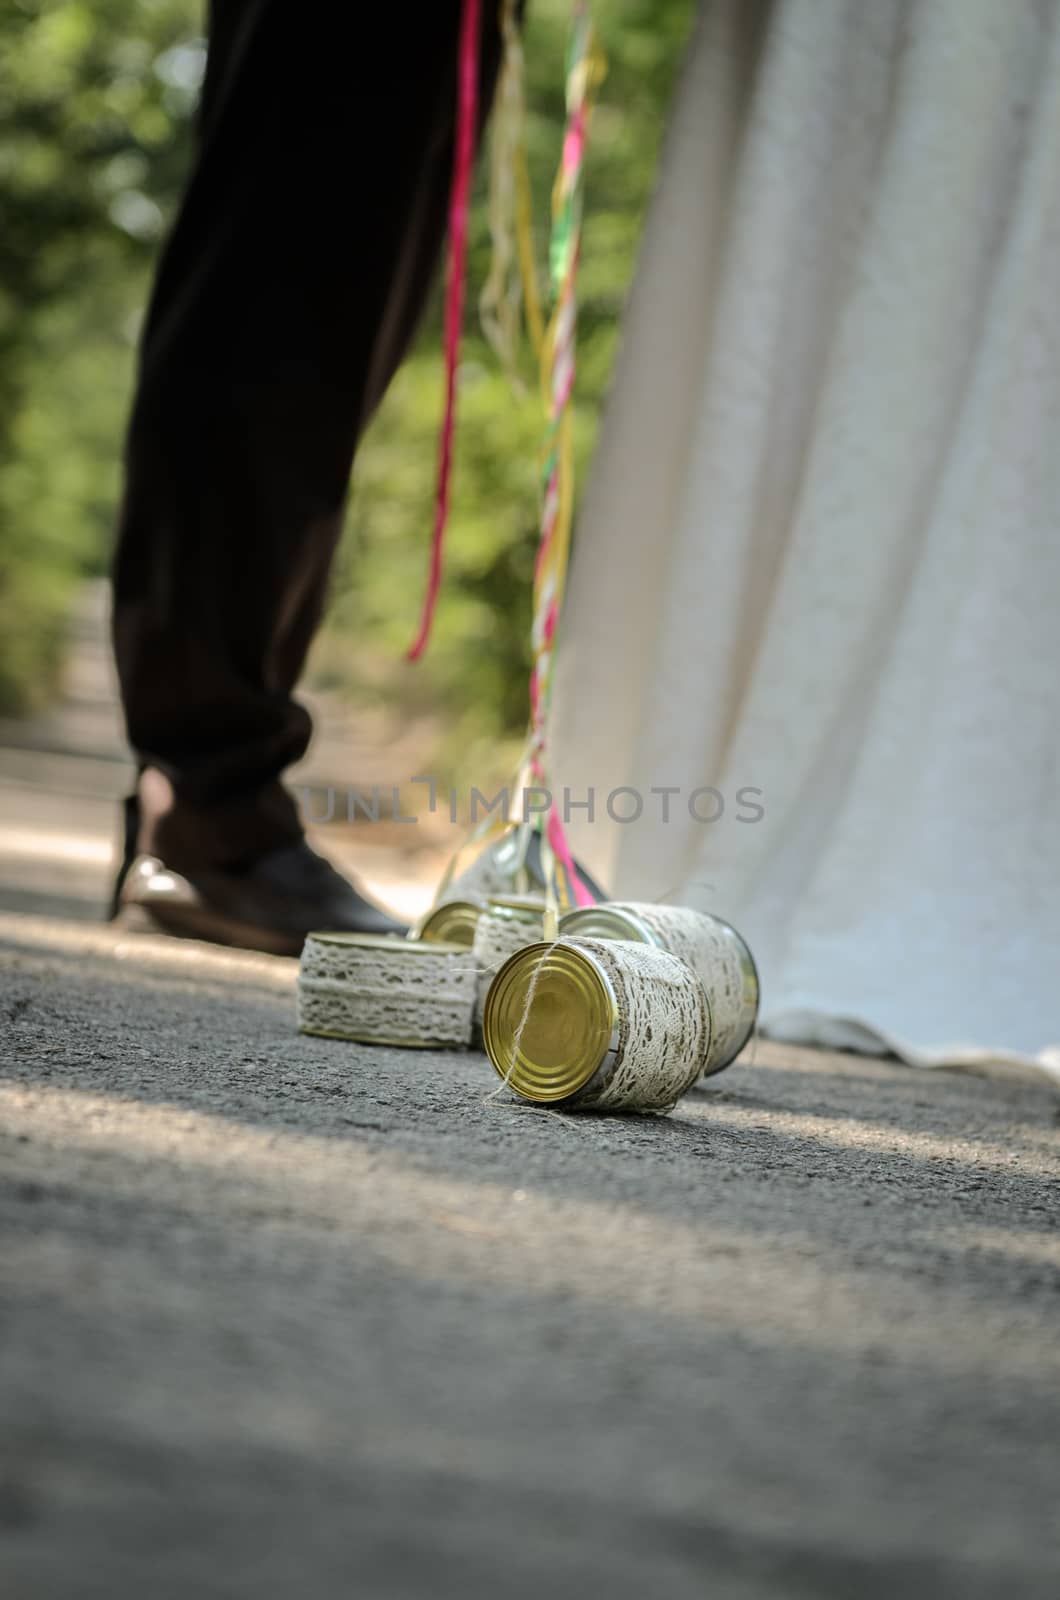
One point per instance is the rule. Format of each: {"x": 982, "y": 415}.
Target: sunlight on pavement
{"x": 428, "y": 1225}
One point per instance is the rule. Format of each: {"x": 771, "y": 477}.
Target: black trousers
{"x": 285, "y": 298}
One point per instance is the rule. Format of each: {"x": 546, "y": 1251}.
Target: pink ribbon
{"x": 557, "y": 838}
{"x": 459, "y": 207}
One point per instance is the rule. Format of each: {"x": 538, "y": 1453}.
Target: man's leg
{"x": 285, "y": 299}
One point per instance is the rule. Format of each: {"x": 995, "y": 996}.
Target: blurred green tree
{"x": 96, "y": 97}
{"x": 95, "y": 101}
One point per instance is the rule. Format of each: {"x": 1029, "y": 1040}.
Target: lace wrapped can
{"x": 377, "y": 989}
{"x": 711, "y": 947}
{"x": 509, "y": 923}
{"x": 597, "y": 1024}
{"x": 453, "y": 922}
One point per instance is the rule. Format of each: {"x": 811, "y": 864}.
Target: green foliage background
{"x": 96, "y": 102}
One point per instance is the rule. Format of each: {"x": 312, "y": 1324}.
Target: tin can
{"x": 508, "y": 923}
{"x": 597, "y": 1024}
{"x": 501, "y": 868}
{"x": 453, "y": 922}
{"x": 711, "y": 947}
{"x": 377, "y": 989}
{"x": 512, "y": 865}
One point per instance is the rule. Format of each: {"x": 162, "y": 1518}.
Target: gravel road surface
{"x": 282, "y": 1316}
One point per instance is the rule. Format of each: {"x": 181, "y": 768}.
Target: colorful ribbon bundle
{"x": 514, "y": 268}
{"x": 557, "y": 359}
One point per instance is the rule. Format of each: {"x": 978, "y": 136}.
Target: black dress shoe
{"x": 270, "y": 904}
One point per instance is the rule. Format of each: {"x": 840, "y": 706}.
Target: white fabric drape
{"x": 819, "y": 554}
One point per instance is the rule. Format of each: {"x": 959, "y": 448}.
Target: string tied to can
{"x": 554, "y": 343}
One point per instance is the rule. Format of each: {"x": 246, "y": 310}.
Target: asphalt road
{"x": 282, "y": 1316}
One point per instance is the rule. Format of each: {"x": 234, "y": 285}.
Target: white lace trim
{"x": 497, "y": 937}
{"x": 663, "y": 1027}
{"x": 484, "y": 877}
{"x": 718, "y": 954}
{"x": 392, "y": 993}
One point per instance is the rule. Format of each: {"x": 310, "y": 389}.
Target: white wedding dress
{"x": 819, "y": 554}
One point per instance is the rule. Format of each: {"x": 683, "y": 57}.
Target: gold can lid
{"x": 452, "y": 922}
{"x": 550, "y": 1022}
{"x": 605, "y": 922}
